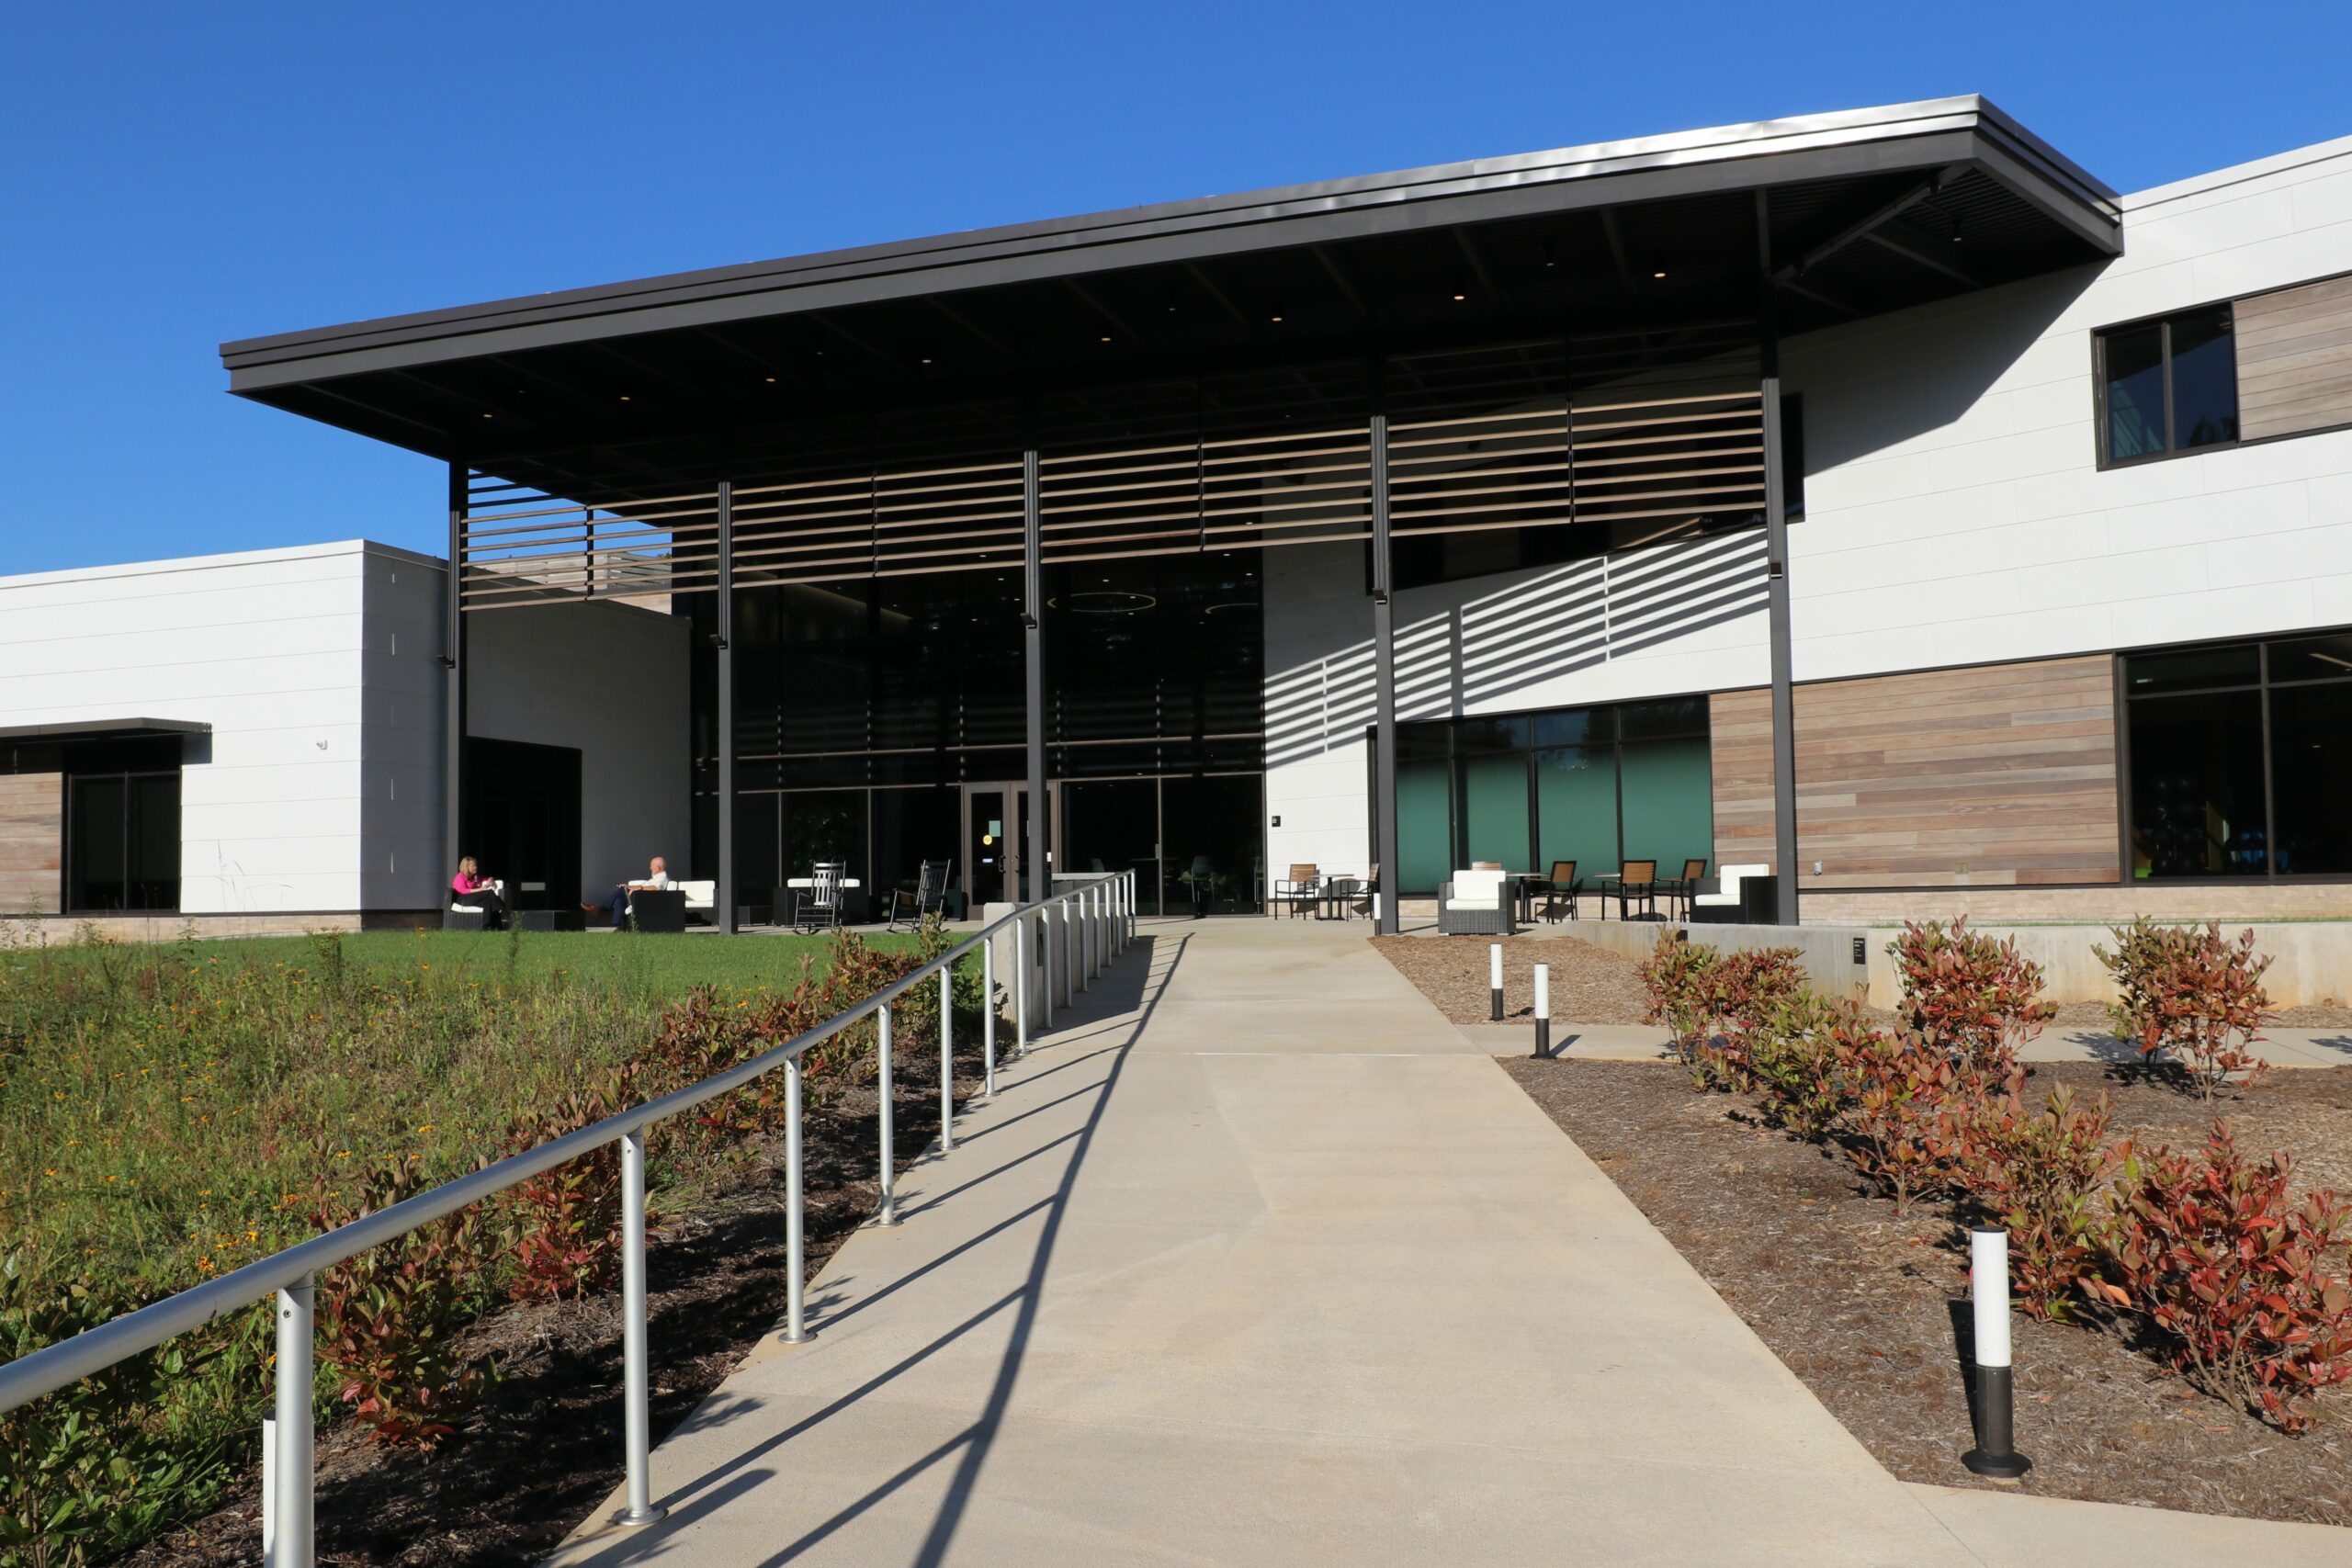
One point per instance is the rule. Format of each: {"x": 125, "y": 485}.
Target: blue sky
{"x": 173, "y": 176}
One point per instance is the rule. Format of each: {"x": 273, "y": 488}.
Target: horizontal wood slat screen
{"x": 1658, "y": 433}
{"x": 521, "y": 545}
{"x": 2295, "y": 359}
{"x": 1997, "y": 776}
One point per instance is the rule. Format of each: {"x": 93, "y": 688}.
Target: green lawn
{"x": 649, "y": 965}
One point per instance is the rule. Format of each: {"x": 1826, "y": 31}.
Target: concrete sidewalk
{"x": 1256, "y": 1260}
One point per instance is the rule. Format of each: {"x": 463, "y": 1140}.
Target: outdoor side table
{"x": 1338, "y": 892}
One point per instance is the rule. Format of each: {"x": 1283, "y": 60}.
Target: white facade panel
{"x": 319, "y": 788}
{"x": 265, "y": 649}
{"x": 1971, "y": 424}
{"x": 613, "y": 681}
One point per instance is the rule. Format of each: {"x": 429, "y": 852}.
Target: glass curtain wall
{"x": 2240, "y": 759}
{"x": 1590, "y": 784}
{"x": 866, "y": 710}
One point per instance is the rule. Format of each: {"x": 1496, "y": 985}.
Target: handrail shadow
{"x": 704, "y": 1493}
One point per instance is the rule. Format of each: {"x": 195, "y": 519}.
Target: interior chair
{"x": 1475, "y": 903}
{"x": 1202, "y": 880}
{"x": 1299, "y": 889}
{"x": 818, "y": 907}
{"x": 928, "y": 897}
{"x": 1560, "y": 890}
{"x": 1636, "y": 883}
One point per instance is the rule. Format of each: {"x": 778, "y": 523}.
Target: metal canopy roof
{"x": 1861, "y": 212}
{"x": 94, "y": 728}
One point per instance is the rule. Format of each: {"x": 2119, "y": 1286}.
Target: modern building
{"x": 1874, "y": 496}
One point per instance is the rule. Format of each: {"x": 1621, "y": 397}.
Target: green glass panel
{"x": 1576, "y": 809}
{"x": 1669, "y": 803}
{"x": 1424, "y": 827}
{"x": 1494, "y": 809}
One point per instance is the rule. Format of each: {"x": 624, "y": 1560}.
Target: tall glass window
{"x": 2240, "y": 759}
{"x": 2169, "y": 385}
{"x": 1595, "y": 785}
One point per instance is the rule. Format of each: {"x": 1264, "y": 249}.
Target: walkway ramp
{"x": 1256, "y": 1260}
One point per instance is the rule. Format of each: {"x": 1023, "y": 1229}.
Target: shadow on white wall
{"x": 1481, "y": 654}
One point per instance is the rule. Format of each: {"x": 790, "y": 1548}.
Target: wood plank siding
{"x": 2000, "y": 776}
{"x": 32, "y": 843}
{"x": 2295, "y": 359}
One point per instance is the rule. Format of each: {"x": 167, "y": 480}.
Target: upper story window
{"x": 2169, "y": 385}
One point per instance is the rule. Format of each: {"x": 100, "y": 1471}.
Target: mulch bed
{"x": 1870, "y": 1308}
{"x": 544, "y": 1445}
{"x": 1589, "y": 985}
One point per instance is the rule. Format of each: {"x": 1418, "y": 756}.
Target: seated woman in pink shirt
{"x": 471, "y": 888}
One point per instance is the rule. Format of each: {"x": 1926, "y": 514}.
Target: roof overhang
{"x": 104, "y": 729}
{"x": 432, "y": 381}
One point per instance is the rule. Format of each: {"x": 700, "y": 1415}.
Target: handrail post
{"x": 890, "y": 1215}
{"x": 637, "y": 1422}
{"x": 947, "y": 1057}
{"x": 988, "y": 1018}
{"x": 1045, "y": 960}
{"x": 1020, "y": 985}
{"x": 292, "y": 1543}
{"x": 1085, "y": 908}
{"x": 796, "y": 1290}
{"x": 1069, "y": 956}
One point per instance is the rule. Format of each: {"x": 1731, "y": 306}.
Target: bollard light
{"x": 1543, "y": 1010}
{"x": 1495, "y": 977}
{"x": 1996, "y": 1453}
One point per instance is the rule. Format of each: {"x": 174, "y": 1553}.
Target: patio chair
{"x": 1475, "y": 903}
{"x": 1685, "y": 887}
{"x": 1636, "y": 883}
{"x": 1560, "y": 890}
{"x": 1299, "y": 889}
{"x": 930, "y": 895}
{"x": 818, "y": 906}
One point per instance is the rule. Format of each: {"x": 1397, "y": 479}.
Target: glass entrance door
{"x": 996, "y": 840}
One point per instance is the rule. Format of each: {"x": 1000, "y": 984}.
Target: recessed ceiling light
{"x": 771, "y": 380}
{"x": 926, "y": 359}
{"x": 624, "y": 397}
{"x": 490, "y": 416}
{"x": 1106, "y": 337}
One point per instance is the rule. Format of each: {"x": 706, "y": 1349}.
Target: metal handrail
{"x": 1107, "y": 905}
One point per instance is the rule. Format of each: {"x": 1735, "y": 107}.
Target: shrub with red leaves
{"x": 385, "y": 1316}
{"x": 1746, "y": 990}
{"x": 2228, "y": 1269}
{"x": 1908, "y": 1117}
{"x": 2037, "y": 1174}
{"x": 1678, "y": 990}
{"x": 2186, "y": 991}
{"x": 564, "y": 1224}
{"x": 1965, "y": 993}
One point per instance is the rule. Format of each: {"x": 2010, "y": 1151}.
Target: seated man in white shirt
{"x": 656, "y": 880}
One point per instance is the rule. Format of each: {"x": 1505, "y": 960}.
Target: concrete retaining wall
{"x": 2310, "y": 961}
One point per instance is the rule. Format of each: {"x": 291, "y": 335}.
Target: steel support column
{"x": 1775, "y": 567}
{"x": 1033, "y": 659}
{"x": 1383, "y": 684}
{"x": 453, "y": 664}
{"x": 725, "y": 912}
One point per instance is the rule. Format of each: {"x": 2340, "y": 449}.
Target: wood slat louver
{"x": 1641, "y": 435}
